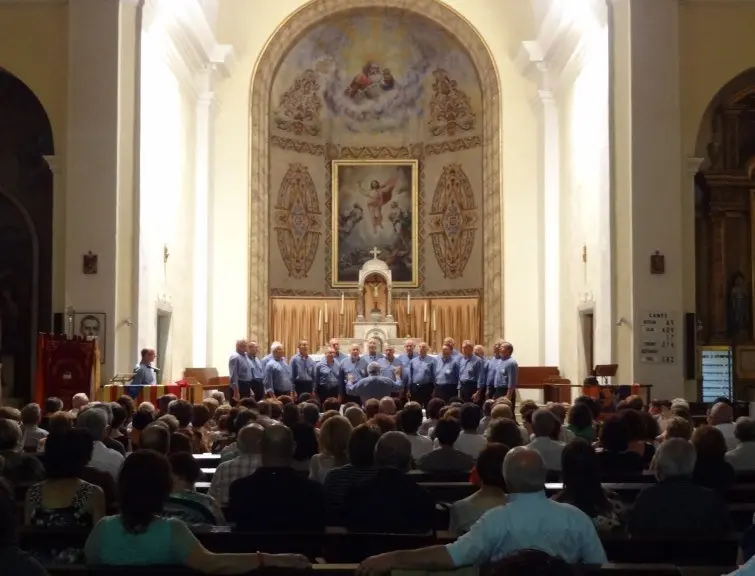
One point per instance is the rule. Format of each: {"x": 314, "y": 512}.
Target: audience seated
{"x": 505, "y": 530}
{"x": 711, "y": 468}
{"x": 676, "y": 506}
{"x": 334, "y": 448}
{"x": 184, "y": 501}
{"x": 470, "y": 441}
{"x": 637, "y": 429}
{"x": 58, "y": 422}
{"x": 31, "y": 416}
{"x": 446, "y": 458}
{"x": 722, "y": 416}
{"x": 360, "y": 468}
{"x": 487, "y": 409}
{"x": 305, "y": 438}
{"x": 180, "y": 442}
{"x": 290, "y": 503}
{"x": 409, "y": 421}
{"x": 106, "y": 440}
{"x": 580, "y": 422}
{"x": 117, "y": 432}
{"x": 52, "y": 405}
{"x": 310, "y": 415}
{"x": 505, "y": 431}
{"x": 139, "y": 422}
{"x": 103, "y": 458}
{"x": 390, "y": 501}
{"x": 580, "y": 475}
{"x": 156, "y": 437}
{"x": 242, "y": 466}
{"x": 139, "y": 536}
{"x": 559, "y": 411}
{"x": 433, "y": 409}
{"x": 12, "y": 561}
{"x": 491, "y": 493}
{"x": 742, "y": 458}
{"x": 20, "y": 469}
{"x": 64, "y": 501}
{"x": 678, "y": 427}
{"x": 615, "y": 458}
{"x": 546, "y": 428}
{"x": 387, "y": 406}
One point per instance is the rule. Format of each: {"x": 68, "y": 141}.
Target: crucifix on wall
{"x": 375, "y": 252}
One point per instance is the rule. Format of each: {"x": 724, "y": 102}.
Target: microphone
{"x": 157, "y": 370}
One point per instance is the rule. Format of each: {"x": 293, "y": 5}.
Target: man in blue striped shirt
{"x": 506, "y": 375}
{"x": 329, "y": 377}
{"x": 354, "y": 369}
{"x": 303, "y": 369}
{"x": 278, "y": 380}
{"x": 336, "y": 345}
{"x": 446, "y": 374}
{"x": 374, "y": 385}
{"x": 372, "y": 354}
{"x": 471, "y": 373}
{"x": 390, "y": 366}
{"x": 422, "y": 376}
{"x": 240, "y": 371}
{"x": 144, "y": 373}
{"x": 405, "y": 359}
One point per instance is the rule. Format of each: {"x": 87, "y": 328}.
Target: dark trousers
{"x": 446, "y": 391}
{"x": 258, "y": 389}
{"x": 496, "y": 393}
{"x": 323, "y": 392}
{"x": 467, "y": 389}
{"x": 303, "y": 386}
{"x": 421, "y": 394}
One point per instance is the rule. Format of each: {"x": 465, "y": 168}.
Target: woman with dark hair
{"x": 64, "y": 500}
{"x": 305, "y": 438}
{"x": 179, "y": 442}
{"x": 580, "y": 474}
{"x": 12, "y": 560}
{"x": 638, "y": 435}
{"x": 117, "y": 425}
{"x": 615, "y": 459}
{"x": 291, "y": 414}
{"x": 492, "y": 493}
{"x": 711, "y": 468}
{"x": 200, "y": 429}
{"x": 580, "y": 422}
{"x": 504, "y": 431}
{"x": 184, "y": 502}
{"x": 139, "y": 536}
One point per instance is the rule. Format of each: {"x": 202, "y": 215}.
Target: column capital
{"x": 693, "y": 164}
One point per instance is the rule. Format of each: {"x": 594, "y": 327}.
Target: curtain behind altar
{"x": 294, "y": 319}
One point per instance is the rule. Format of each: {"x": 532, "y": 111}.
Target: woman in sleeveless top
{"x": 63, "y": 501}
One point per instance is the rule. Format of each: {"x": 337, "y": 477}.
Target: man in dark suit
{"x": 391, "y": 502}
{"x": 675, "y": 506}
{"x": 275, "y": 498}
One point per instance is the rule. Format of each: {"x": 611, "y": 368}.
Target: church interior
{"x": 576, "y": 177}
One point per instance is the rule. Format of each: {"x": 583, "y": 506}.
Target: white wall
{"x": 248, "y": 26}
{"x": 585, "y": 210}
{"x": 167, "y": 198}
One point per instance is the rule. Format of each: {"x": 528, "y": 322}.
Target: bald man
{"x": 276, "y": 498}
{"x": 505, "y": 530}
{"x": 245, "y": 463}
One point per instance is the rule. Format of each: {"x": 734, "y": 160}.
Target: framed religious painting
{"x": 375, "y": 205}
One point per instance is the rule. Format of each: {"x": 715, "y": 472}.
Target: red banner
{"x": 65, "y": 366}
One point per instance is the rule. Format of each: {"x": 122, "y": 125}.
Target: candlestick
{"x": 424, "y": 314}
{"x": 325, "y": 307}
{"x": 319, "y": 320}
{"x": 342, "y": 302}
{"x": 433, "y": 321}
{"x": 408, "y": 303}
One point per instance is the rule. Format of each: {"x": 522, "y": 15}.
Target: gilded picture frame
{"x": 375, "y": 204}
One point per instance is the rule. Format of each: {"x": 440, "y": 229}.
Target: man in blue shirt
{"x": 505, "y": 530}
{"x": 451, "y": 343}
{"x": 390, "y": 366}
{"x": 278, "y": 379}
{"x": 506, "y": 375}
{"x": 240, "y": 371}
{"x": 258, "y": 371}
{"x": 422, "y": 376}
{"x": 269, "y": 357}
{"x": 374, "y": 385}
{"x": 336, "y": 345}
{"x": 329, "y": 377}
{"x": 491, "y": 368}
{"x": 405, "y": 359}
{"x": 144, "y": 373}
{"x": 354, "y": 368}
{"x": 471, "y": 373}
{"x": 372, "y": 354}
{"x": 303, "y": 369}
{"x": 446, "y": 374}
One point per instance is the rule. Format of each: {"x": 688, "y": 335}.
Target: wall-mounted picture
{"x": 375, "y": 205}
{"x": 91, "y": 325}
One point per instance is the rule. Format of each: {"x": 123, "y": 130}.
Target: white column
{"x": 99, "y": 165}
{"x": 550, "y": 195}
{"x": 202, "y": 184}
{"x": 648, "y": 198}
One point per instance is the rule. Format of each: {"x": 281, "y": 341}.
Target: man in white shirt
{"x": 722, "y": 416}
{"x": 470, "y": 440}
{"x": 103, "y": 458}
{"x": 243, "y": 465}
{"x": 546, "y": 428}
{"x": 743, "y": 456}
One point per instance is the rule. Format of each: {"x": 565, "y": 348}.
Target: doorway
{"x": 587, "y": 327}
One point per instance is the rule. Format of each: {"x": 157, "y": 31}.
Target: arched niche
{"x": 26, "y": 204}
{"x": 725, "y": 215}
{"x": 265, "y": 70}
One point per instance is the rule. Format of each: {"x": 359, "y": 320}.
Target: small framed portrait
{"x": 89, "y": 263}
{"x": 91, "y": 325}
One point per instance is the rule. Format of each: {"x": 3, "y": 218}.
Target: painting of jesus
{"x": 375, "y": 204}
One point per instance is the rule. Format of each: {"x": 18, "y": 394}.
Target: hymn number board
{"x": 658, "y": 338}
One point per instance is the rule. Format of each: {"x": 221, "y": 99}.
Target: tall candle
{"x": 408, "y": 303}
{"x": 325, "y": 308}
{"x": 319, "y": 320}
{"x": 424, "y": 314}
{"x": 341, "y": 302}
{"x": 433, "y": 320}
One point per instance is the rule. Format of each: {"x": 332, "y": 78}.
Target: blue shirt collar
{"x": 528, "y": 496}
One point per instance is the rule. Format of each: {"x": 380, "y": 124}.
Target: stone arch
{"x": 265, "y": 68}
{"x": 26, "y": 187}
